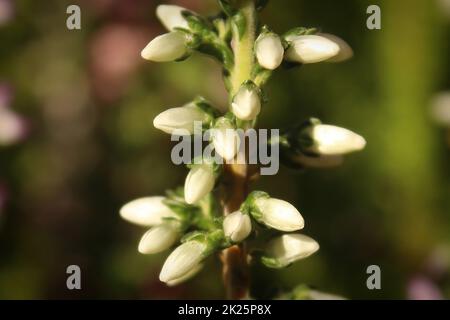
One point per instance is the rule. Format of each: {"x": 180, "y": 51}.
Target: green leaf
{"x": 175, "y": 194}
{"x": 248, "y": 206}
{"x": 197, "y": 24}
{"x": 271, "y": 263}
{"x": 194, "y": 236}
{"x": 300, "y": 31}
{"x": 227, "y": 8}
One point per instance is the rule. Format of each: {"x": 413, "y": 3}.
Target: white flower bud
{"x": 174, "y": 119}
{"x": 159, "y": 238}
{"x": 345, "y": 51}
{"x": 310, "y": 49}
{"x": 246, "y": 103}
{"x": 199, "y": 182}
{"x": 289, "y": 248}
{"x": 148, "y": 211}
{"x": 278, "y": 214}
{"x": 237, "y": 226}
{"x": 182, "y": 260}
{"x": 166, "y": 47}
{"x": 171, "y": 16}
{"x": 332, "y": 140}
{"x": 225, "y": 139}
{"x": 269, "y": 51}
{"x": 190, "y": 274}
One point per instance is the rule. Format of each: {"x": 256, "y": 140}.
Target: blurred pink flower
{"x": 6, "y": 11}
{"x": 114, "y": 56}
{"x": 422, "y": 288}
{"x": 13, "y": 128}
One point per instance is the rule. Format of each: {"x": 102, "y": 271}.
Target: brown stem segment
{"x": 236, "y": 273}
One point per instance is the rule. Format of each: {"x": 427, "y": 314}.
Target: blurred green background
{"x": 85, "y": 101}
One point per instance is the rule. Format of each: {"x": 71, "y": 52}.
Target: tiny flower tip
{"x": 311, "y": 49}
{"x": 159, "y": 238}
{"x": 171, "y": 16}
{"x": 332, "y": 140}
{"x": 345, "y": 51}
{"x": 180, "y": 121}
{"x": 360, "y": 143}
{"x": 290, "y": 248}
{"x": 199, "y": 182}
{"x": 182, "y": 260}
{"x": 280, "y": 214}
{"x": 190, "y": 197}
{"x": 148, "y": 211}
{"x": 166, "y": 47}
{"x": 185, "y": 277}
{"x": 163, "y": 277}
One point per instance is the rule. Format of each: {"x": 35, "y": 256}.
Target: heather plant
{"x": 215, "y": 212}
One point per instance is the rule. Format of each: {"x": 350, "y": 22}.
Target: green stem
{"x": 236, "y": 272}
{"x": 243, "y": 47}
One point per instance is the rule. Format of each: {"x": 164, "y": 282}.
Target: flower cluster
{"x": 192, "y": 215}
{"x": 204, "y": 232}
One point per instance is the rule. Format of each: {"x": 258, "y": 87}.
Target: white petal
{"x": 159, "y": 238}
{"x": 166, "y": 47}
{"x": 148, "y": 211}
{"x": 199, "y": 182}
{"x": 311, "y": 49}
{"x": 280, "y": 214}
{"x": 345, "y": 51}
{"x": 181, "y": 118}
{"x": 269, "y": 51}
{"x": 182, "y": 260}
{"x": 246, "y": 104}
{"x": 171, "y": 17}
{"x": 291, "y": 247}
{"x": 190, "y": 274}
{"x": 237, "y": 226}
{"x": 332, "y": 140}
{"x": 225, "y": 139}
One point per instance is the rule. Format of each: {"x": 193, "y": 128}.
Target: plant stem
{"x": 236, "y": 273}
{"x": 243, "y": 47}
{"x": 235, "y": 266}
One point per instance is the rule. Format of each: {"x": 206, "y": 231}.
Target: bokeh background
{"x": 77, "y": 142}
